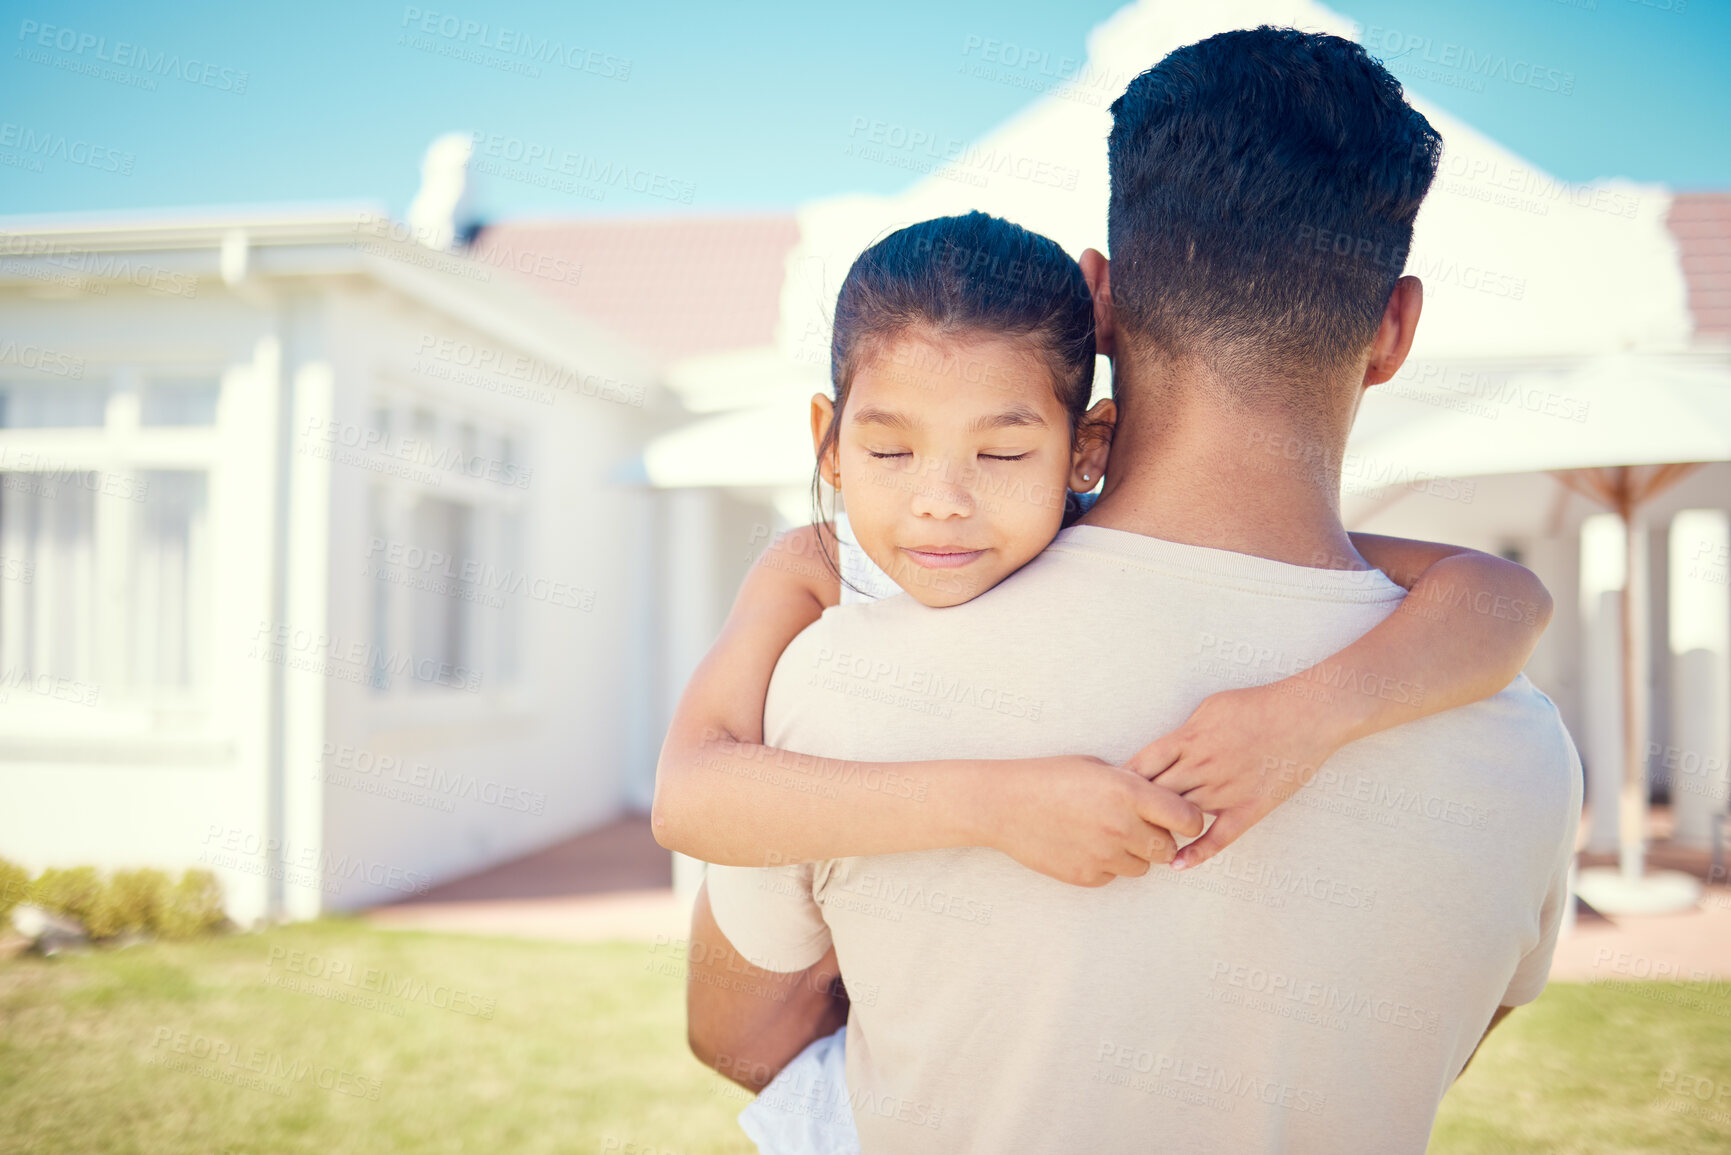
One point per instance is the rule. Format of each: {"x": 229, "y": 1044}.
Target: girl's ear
{"x": 1093, "y": 446}
{"x": 828, "y": 464}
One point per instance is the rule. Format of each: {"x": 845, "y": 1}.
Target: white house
{"x": 346, "y": 563}
{"x": 324, "y": 561}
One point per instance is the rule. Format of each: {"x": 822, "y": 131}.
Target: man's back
{"x": 1315, "y": 987}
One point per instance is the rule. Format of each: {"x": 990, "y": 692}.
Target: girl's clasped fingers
{"x": 1154, "y": 758}
{"x": 1227, "y": 826}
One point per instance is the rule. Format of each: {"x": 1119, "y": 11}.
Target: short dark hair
{"x": 1264, "y": 186}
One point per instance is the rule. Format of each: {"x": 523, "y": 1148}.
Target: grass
{"x": 487, "y": 1045}
{"x": 1615, "y": 1067}
{"x": 584, "y": 1049}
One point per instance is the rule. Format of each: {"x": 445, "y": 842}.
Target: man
{"x": 1319, "y": 984}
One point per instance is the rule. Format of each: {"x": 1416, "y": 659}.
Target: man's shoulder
{"x": 1513, "y": 742}
{"x": 858, "y": 619}
{"x": 883, "y": 627}
{"x": 1524, "y": 708}
{"x": 1520, "y": 716}
{"x": 902, "y": 624}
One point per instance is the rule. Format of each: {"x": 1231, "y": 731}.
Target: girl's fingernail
{"x": 1180, "y": 863}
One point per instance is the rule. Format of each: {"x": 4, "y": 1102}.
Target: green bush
{"x": 143, "y": 901}
{"x": 132, "y": 902}
{"x": 74, "y": 893}
{"x": 14, "y": 886}
{"x": 194, "y": 906}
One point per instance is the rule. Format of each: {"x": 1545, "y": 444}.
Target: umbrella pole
{"x": 1628, "y": 888}
{"x": 1632, "y": 808}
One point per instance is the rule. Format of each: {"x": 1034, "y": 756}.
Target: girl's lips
{"x": 943, "y": 558}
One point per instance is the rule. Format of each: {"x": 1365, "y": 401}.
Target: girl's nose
{"x": 938, "y": 495}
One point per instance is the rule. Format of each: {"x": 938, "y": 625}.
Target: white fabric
{"x": 770, "y": 910}
{"x": 862, "y": 580}
{"x": 805, "y": 1111}
{"x": 1314, "y": 988}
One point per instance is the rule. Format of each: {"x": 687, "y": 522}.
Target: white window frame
{"x": 120, "y": 449}
{"x": 411, "y": 701}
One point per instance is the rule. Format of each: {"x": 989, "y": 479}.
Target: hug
{"x": 1189, "y": 941}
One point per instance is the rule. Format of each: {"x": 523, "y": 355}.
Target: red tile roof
{"x": 680, "y": 286}
{"x": 1701, "y": 222}
{"x": 674, "y": 286}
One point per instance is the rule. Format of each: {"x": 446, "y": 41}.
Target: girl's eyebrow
{"x": 1016, "y": 415}
{"x": 874, "y": 416}
{"x": 1013, "y": 416}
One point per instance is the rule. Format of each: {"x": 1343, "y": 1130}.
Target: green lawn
{"x": 1619, "y": 1067}
{"x": 485, "y": 1045}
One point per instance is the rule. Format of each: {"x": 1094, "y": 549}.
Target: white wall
{"x": 432, "y": 782}
{"x": 526, "y": 760}
{"x": 127, "y": 782}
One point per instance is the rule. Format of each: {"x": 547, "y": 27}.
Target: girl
{"x": 961, "y": 438}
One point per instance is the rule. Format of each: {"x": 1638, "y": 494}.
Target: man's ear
{"x": 1394, "y": 336}
{"x": 1097, "y": 271}
{"x": 828, "y": 464}
{"x": 1093, "y": 446}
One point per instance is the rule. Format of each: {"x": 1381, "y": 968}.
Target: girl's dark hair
{"x": 969, "y": 275}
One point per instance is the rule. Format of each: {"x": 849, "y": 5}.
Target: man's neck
{"x": 1210, "y": 473}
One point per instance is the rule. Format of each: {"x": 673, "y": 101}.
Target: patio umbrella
{"x": 1619, "y": 431}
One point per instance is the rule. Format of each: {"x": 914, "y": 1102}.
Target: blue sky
{"x": 725, "y": 107}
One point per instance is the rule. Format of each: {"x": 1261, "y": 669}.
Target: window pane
{"x": 442, "y": 600}
{"x": 378, "y": 566}
{"x": 168, "y": 583}
{"x": 48, "y": 600}
{"x": 179, "y": 403}
{"x": 508, "y": 614}
{"x": 70, "y": 404}
{"x": 382, "y": 421}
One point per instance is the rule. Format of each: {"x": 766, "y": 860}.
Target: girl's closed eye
{"x": 889, "y": 454}
{"x": 1009, "y": 456}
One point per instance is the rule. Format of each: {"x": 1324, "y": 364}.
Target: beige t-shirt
{"x": 1315, "y": 987}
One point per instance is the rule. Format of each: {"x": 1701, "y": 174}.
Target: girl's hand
{"x": 1241, "y": 754}
{"x": 1083, "y": 821}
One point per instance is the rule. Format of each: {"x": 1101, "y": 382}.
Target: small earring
{"x": 1085, "y": 477}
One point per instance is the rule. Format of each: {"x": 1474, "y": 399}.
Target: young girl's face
{"x": 953, "y": 458}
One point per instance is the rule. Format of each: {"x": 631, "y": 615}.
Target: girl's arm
{"x": 724, "y": 797}
{"x": 1469, "y": 623}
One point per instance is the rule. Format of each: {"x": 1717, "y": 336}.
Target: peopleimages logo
{"x": 388, "y": 775}
{"x": 474, "y": 36}
{"x": 258, "y": 1068}
{"x": 1407, "y": 51}
{"x": 354, "y": 660}
{"x": 37, "y": 145}
{"x": 41, "y": 359}
{"x": 136, "y": 57}
{"x": 230, "y": 846}
{"x": 378, "y": 981}
{"x": 559, "y": 168}
{"x": 1345, "y": 1002}
{"x": 376, "y": 448}
{"x": 1036, "y": 70}
{"x": 925, "y": 151}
